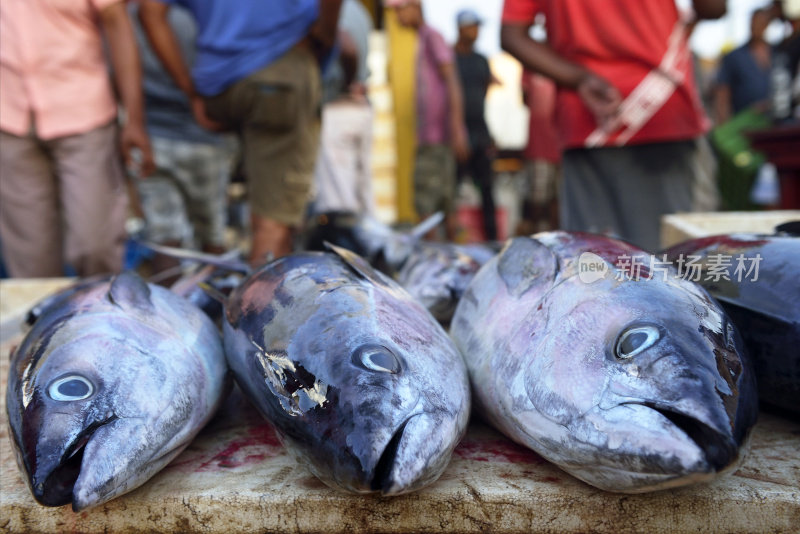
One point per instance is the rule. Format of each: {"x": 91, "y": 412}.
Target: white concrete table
{"x": 236, "y": 477}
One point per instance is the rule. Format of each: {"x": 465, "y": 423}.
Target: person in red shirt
{"x": 542, "y": 156}
{"x": 628, "y": 112}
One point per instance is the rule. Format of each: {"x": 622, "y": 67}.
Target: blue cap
{"x": 468, "y": 17}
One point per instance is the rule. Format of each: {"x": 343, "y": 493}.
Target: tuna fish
{"x": 437, "y": 274}
{"x": 630, "y": 383}
{"x": 361, "y": 383}
{"x": 113, "y": 381}
{"x": 757, "y": 281}
{"x": 384, "y": 248}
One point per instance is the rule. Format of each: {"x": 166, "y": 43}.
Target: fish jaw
{"x": 655, "y": 447}
{"x": 417, "y": 455}
{"x": 56, "y": 465}
{"x": 120, "y": 457}
{"x": 395, "y": 463}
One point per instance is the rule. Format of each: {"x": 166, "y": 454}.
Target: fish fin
{"x": 419, "y": 231}
{"x": 212, "y": 292}
{"x": 358, "y": 264}
{"x": 228, "y": 261}
{"x": 525, "y": 263}
{"x": 128, "y": 289}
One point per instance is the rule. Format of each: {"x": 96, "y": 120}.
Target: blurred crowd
{"x": 109, "y": 107}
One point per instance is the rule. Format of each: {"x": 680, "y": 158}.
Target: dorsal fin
{"x": 358, "y": 264}
{"x": 525, "y": 263}
{"x": 419, "y": 231}
{"x": 129, "y": 290}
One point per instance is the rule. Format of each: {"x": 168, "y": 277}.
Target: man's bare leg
{"x": 271, "y": 239}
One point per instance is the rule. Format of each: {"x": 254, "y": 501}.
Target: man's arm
{"x": 325, "y": 30}
{"x": 709, "y": 9}
{"x": 602, "y": 98}
{"x": 153, "y": 16}
{"x": 458, "y": 131}
{"x": 124, "y": 56}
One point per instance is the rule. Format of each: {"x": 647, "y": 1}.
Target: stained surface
{"x": 237, "y": 477}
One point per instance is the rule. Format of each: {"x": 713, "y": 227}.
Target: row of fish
{"x": 629, "y": 386}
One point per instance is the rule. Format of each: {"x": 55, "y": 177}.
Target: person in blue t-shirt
{"x": 743, "y": 76}
{"x": 184, "y": 201}
{"x": 257, "y": 72}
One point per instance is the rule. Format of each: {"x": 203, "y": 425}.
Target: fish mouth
{"x": 54, "y": 487}
{"x": 382, "y": 479}
{"x": 719, "y": 449}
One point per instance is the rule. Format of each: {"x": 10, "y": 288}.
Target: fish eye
{"x": 636, "y": 340}
{"x": 376, "y": 358}
{"x": 70, "y": 388}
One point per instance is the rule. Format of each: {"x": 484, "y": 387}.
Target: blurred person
{"x": 63, "y": 197}
{"x": 743, "y": 78}
{"x": 257, "y": 72}
{"x": 542, "y": 156}
{"x": 476, "y": 77}
{"x": 343, "y": 175}
{"x": 785, "y": 75}
{"x": 441, "y": 134}
{"x": 628, "y": 114}
{"x": 184, "y": 201}
{"x": 355, "y": 22}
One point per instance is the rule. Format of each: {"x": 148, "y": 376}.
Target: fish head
{"x": 89, "y": 427}
{"x": 385, "y": 422}
{"x": 660, "y": 391}
{"x": 370, "y": 391}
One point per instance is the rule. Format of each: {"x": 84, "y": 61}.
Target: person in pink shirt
{"x": 62, "y": 189}
{"x": 441, "y": 132}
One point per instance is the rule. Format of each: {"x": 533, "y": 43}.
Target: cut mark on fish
{"x": 298, "y": 391}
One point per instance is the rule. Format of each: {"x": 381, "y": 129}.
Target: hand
{"x": 133, "y": 138}
{"x": 199, "y": 112}
{"x": 602, "y": 99}
{"x": 358, "y": 90}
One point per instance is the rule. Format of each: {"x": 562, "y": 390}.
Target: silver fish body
{"x": 113, "y": 380}
{"x": 361, "y": 383}
{"x": 629, "y": 385}
{"x": 437, "y": 274}
{"x": 383, "y": 247}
